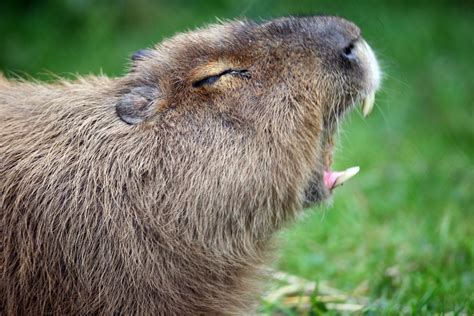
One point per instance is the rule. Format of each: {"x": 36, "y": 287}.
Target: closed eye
{"x": 212, "y": 79}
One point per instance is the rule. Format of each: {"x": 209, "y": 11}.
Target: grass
{"x": 401, "y": 234}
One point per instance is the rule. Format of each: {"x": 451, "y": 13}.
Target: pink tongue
{"x": 330, "y": 178}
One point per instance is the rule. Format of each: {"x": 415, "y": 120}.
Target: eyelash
{"x": 212, "y": 79}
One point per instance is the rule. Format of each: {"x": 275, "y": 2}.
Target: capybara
{"x": 159, "y": 192}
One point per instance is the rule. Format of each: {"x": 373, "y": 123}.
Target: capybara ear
{"x": 141, "y": 54}
{"x": 138, "y": 104}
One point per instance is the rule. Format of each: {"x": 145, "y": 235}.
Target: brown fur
{"x": 171, "y": 214}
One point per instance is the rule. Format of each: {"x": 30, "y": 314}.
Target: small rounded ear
{"x": 137, "y": 105}
{"x": 141, "y": 54}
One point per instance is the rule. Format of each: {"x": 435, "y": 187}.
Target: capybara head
{"x": 287, "y": 81}
{"x": 159, "y": 192}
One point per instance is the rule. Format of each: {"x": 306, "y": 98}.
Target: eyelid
{"x": 212, "y": 79}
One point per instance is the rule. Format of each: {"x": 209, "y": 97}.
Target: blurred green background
{"x": 402, "y": 231}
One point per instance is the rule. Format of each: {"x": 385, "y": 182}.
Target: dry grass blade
{"x": 302, "y": 296}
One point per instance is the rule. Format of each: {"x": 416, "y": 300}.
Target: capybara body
{"x": 158, "y": 193}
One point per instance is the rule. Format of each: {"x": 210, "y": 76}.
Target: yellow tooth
{"x": 346, "y": 175}
{"x": 368, "y": 104}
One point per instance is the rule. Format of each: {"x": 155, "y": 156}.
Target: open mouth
{"x": 323, "y": 183}
{"x": 324, "y": 180}
{"x": 333, "y": 179}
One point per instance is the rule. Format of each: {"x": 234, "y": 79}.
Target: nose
{"x": 349, "y": 52}
{"x": 341, "y": 35}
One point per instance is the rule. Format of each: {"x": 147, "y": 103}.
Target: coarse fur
{"x": 158, "y": 193}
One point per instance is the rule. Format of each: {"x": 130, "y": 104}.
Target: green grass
{"x": 402, "y": 231}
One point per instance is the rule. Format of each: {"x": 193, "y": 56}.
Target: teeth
{"x": 368, "y": 104}
{"x": 346, "y": 175}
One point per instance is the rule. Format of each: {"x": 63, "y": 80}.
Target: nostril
{"x": 348, "y": 52}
